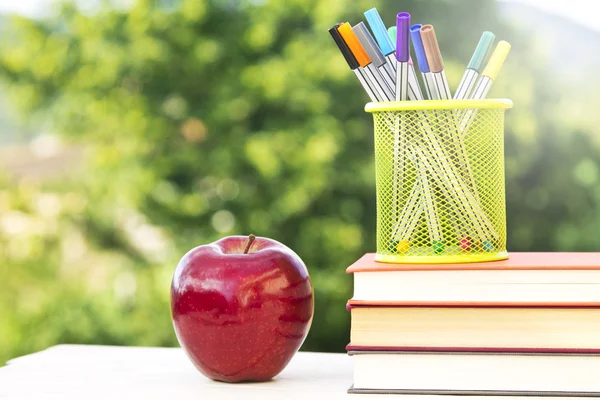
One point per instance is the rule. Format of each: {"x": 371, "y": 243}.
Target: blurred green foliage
{"x": 204, "y": 118}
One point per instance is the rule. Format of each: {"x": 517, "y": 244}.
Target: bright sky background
{"x": 36, "y": 8}
{"x": 584, "y": 12}
{"x": 27, "y": 7}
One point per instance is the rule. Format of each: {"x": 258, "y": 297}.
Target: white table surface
{"x": 109, "y": 372}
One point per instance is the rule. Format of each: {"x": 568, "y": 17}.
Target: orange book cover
{"x": 515, "y": 261}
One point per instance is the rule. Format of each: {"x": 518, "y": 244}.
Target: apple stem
{"x": 251, "y": 238}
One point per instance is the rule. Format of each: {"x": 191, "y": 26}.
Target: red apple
{"x": 241, "y": 307}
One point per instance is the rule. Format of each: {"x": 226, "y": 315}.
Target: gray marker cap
{"x": 369, "y": 44}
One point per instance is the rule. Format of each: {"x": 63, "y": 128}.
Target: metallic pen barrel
{"x": 485, "y": 82}
{"x": 483, "y": 87}
{"x": 390, "y": 59}
{"x": 433, "y": 224}
{"x": 430, "y": 88}
{"x": 390, "y": 71}
{"x": 367, "y": 69}
{"x": 354, "y": 64}
{"x": 402, "y": 81}
{"x": 381, "y": 87}
{"x": 366, "y": 85}
{"x": 377, "y": 59}
{"x": 388, "y": 75}
{"x": 481, "y": 90}
{"x": 441, "y": 85}
{"x": 414, "y": 90}
{"x": 410, "y": 215}
{"x": 466, "y": 84}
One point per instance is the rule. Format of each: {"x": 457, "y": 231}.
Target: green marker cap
{"x": 392, "y": 33}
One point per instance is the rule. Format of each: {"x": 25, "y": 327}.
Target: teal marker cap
{"x": 392, "y": 34}
{"x": 481, "y": 52}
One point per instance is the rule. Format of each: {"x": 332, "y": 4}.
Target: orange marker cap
{"x": 355, "y": 47}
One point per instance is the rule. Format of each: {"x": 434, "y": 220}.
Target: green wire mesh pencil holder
{"x": 439, "y": 169}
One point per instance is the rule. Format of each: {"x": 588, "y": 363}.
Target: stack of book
{"x": 529, "y": 325}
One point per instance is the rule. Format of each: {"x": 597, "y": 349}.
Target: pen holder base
{"x": 456, "y": 259}
{"x": 440, "y": 181}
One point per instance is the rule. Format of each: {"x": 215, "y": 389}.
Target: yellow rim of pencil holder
{"x": 439, "y": 105}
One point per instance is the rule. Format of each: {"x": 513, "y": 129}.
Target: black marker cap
{"x": 352, "y": 63}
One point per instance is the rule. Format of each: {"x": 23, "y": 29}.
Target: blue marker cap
{"x": 415, "y": 34}
{"x": 378, "y": 28}
{"x": 482, "y": 50}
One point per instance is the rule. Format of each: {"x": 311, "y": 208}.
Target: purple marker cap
{"x": 402, "y": 37}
